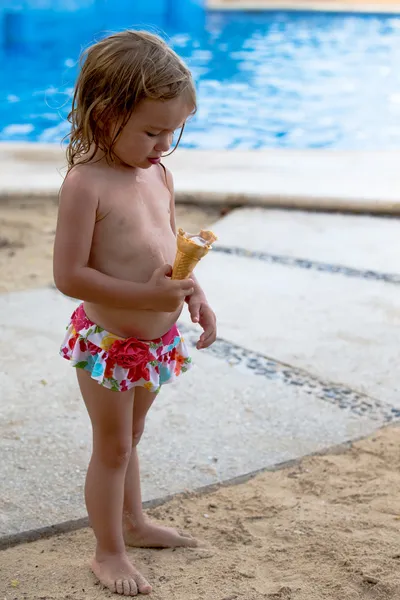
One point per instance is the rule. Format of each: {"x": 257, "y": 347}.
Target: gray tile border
{"x": 308, "y": 264}
{"x": 258, "y": 364}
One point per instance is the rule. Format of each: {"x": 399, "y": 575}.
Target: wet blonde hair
{"x": 116, "y": 74}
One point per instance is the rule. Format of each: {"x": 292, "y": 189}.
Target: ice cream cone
{"x": 190, "y": 250}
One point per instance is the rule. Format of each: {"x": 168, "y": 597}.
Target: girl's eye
{"x": 151, "y": 134}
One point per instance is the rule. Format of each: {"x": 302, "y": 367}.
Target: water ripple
{"x": 295, "y": 80}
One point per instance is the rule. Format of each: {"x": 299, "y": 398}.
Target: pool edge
{"x": 324, "y": 180}
{"x": 304, "y": 6}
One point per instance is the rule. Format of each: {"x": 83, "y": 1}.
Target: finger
{"x": 166, "y": 270}
{"x": 186, "y": 284}
{"x": 209, "y": 329}
{"x": 187, "y": 293}
{"x": 206, "y": 344}
{"x": 183, "y": 284}
{"x": 184, "y": 287}
{"x": 187, "y": 289}
{"x": 194, "y": 310}
{"x": 208, "y": 337}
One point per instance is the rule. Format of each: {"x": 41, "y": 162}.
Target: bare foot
{"x": 149, "y": 535}
{"x": 119, "y": 576}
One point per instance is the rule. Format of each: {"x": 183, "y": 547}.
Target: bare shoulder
{"x": 82, "y": 182}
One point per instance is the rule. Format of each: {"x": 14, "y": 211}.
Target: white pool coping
{"x": 308, "y": 179}
{"x": 305, "y": 5}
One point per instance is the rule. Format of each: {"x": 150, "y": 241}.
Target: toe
{"x": 126, "y": 587}
{"x": 119, "y": 586}
{"x": 190, "y": 542}
{"x": 112, "y": 587}
{"x": 133, "y": 588}
{"x": 185, "y": 534}
{"x": 188, "y": 539}
{"x": 143, "y": 585}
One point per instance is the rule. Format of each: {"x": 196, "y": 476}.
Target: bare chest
{"x": 133, "y": 234}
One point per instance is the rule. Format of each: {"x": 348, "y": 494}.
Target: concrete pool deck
{"x": 310, "y": 179}
{"x": 313, "y": 371}
{"x": 323, "y": 352}
{"x": 352, "y": 6}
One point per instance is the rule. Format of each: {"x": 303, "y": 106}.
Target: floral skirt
{"x": 123, "y": 363}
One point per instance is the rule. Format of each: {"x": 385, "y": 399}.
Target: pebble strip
{"x": 264, "y": 366}
{"x": 302, "y": 263}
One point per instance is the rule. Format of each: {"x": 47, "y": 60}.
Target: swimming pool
{"x": 265, "y": 80}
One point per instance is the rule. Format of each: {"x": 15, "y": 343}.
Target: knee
{"x": 137, "y": 433}
{"x": 113, "y": 453}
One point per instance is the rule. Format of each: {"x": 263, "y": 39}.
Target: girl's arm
{"x": 200, "y": 310}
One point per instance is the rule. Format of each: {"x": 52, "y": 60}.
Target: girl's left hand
{"x": 202, "y": 313}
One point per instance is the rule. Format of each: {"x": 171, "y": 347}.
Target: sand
{"x": 325, "y": 529}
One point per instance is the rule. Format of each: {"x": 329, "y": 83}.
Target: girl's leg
{"x": 138, "y": 531}
{"x": 111, "y": 415}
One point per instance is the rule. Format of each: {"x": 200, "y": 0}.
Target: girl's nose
{"x": 164, "y": 143}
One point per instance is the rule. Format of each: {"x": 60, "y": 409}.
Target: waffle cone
{"x": 189, "y": 253}
{"x": 183, "y": 265}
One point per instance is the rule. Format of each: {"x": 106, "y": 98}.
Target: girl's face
{"x": 149, "y": 132}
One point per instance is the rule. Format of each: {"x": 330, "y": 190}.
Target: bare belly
{"x": 141, "y": 324}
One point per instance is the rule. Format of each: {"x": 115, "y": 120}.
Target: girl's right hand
{"x": 166, "y": 294}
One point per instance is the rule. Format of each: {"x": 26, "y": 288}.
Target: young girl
{"x": 114, "y": 246}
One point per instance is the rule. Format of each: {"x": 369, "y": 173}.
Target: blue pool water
{"x": 266, "y": 80}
